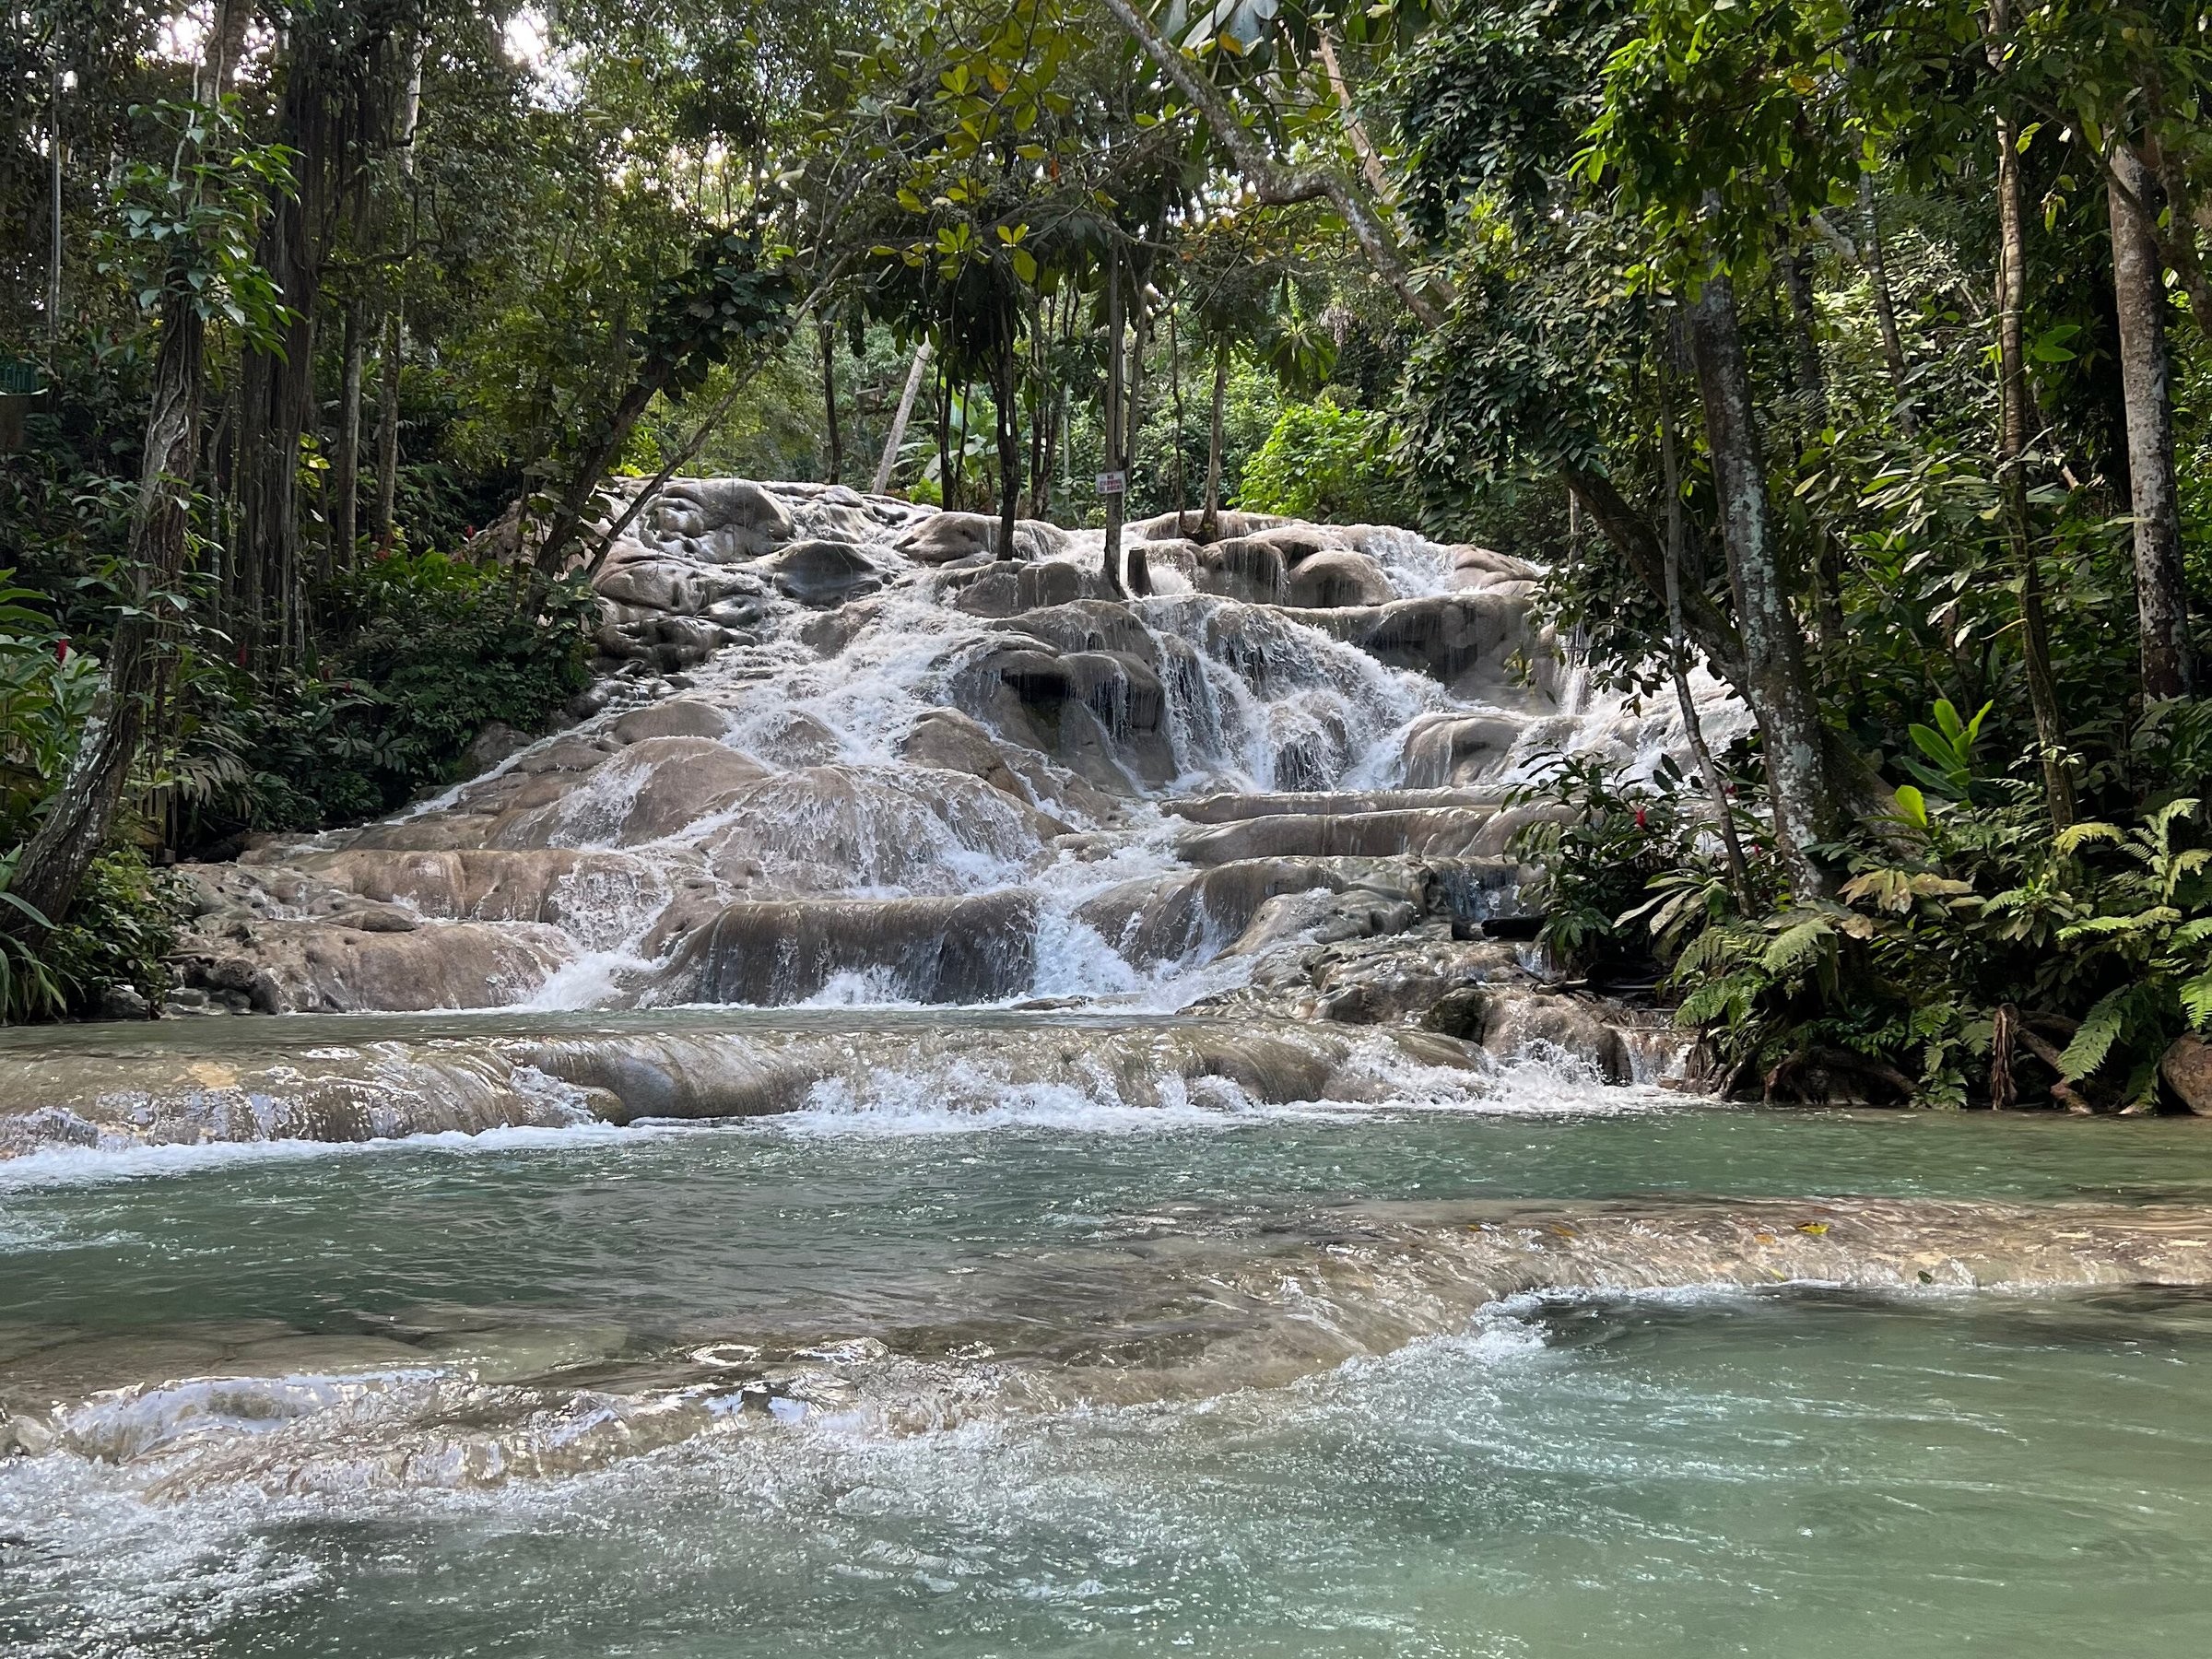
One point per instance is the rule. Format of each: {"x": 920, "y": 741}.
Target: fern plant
{"x": 2152, "y": 926}
{"x": 1967, "y": 940}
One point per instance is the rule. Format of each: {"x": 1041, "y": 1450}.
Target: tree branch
{"x": 1275, "y": 184}
{"x": 1370, "y": 161}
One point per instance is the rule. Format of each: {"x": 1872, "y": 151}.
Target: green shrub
{"x": 1970, "y": 955}
{"x": 46, "y": 695}
{"x": 432, "y": 651}
{"x": 1602, "y": 845}
{"x": 119, "y": 932}
{"x": 1323, "y": 462}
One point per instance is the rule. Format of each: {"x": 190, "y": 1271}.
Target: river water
{"x": 1802, "y": 1470}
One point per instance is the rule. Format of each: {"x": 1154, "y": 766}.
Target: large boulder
{"x": 823, "y": 573}
{"x": 948, "y": 538}
{"x": 1444, "y": 749}
{"x": 1333, "y": 580}
{"x": 716, "y": 521}
{"x": 1178, "y": 525}
{"x": 1242, "y": 567}
{"x": 1004, "y": 588}
{"x": 947, "y": 739}
{"x": 834, "y": 828}
{"x": 1439, "y": 832}
{"x": 570, "y": 889}
{"x": 657, "y": 1076}
{"x": 1475, "y": 568}
{"x": 2186, "y": 1067}
{"x": 643, "y": 792}
{"x": 1089, "y": 624}
{"x": 1102, "y": 714}
{"x": 1548, "y": 1026}
{"x": 931, "y": 950}
{"x": 677, "y": 717}
{"x": 1195, "y": 917}
{"x": 283, "y": 967}
{"x": 1229, "y": 808}
{"x": 1463, "y": 640}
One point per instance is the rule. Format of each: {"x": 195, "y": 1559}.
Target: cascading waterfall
{"x": 820, "y": 700}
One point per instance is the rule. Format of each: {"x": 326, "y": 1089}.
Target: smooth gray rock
{"x": 935, "y": 950}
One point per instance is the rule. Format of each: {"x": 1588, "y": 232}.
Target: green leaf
{"x": 2075, "y": 835}
{"x": 2094, "y": 1040}
{"x": 2196, "y": 998}
{"x": 1934, "y": 746}
{"x": 1797, "y": 948}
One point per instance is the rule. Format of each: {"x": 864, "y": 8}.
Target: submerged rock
{"x": 286, "y": 967}
{"x": 1192, "y": 1307}
{"x": 536, "y": 1072}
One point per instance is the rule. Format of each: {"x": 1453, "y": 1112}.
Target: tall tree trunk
{"x": 387, "y": 426}
{"x": 1875, "y": 254}
{"x": 1370, "y": 162}
{"x": 1209, "y": 523}
{"x": 1116, "y": 430}
{"x": 2012, "y": 448}
{"x": 279, "y": 388}
{"x": 1175, "y": 396}
{"x": 837, "y": 443}
{"x": 1827, "y": 558}
{"x": 2181, "y": 236}
{"x": 346, "y": 483}
{"x": 1009, "y": 439}
{"x": 2139, "y": 292}
{"x": 1795, "y": 747}
{"x": 1039, "y": 326}
{"x": 1797, "y": 281}
{"x": 1133, "y": 375}
{"x": 1044, "y": 407}
{"x": 1739, "y": 872}
{"x": 395, "y": 323}
{"x": 890, "y": 461}
{"x": 280, "y": 379}
{"x": 81, "y": 815}
{"x": 948, "y": 483}
{"x": 54, "y": 249}
{"x": 1136, "y": 577}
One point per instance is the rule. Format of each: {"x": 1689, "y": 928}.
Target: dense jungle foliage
{"x": 1852, "y": 352}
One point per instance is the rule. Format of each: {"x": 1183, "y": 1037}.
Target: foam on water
{"x": 85, "y": 1166}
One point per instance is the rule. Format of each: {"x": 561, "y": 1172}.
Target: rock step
{"x": 1426, "y": 832}
{"x": 1229, "y": 808}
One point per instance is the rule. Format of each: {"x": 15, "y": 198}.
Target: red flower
{"x": 1638, "y": 817}
{"x": 61, "y": 651}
